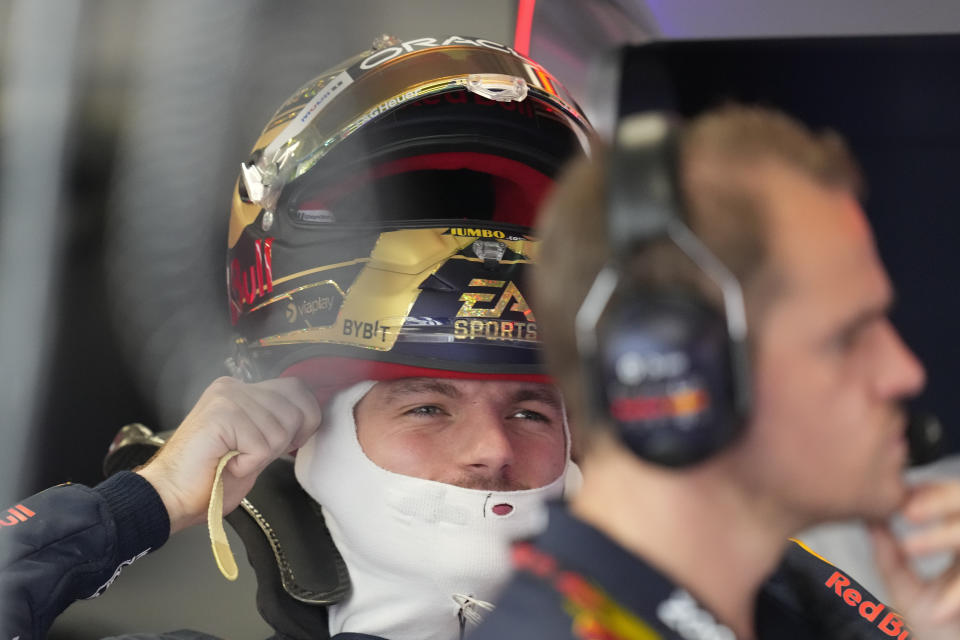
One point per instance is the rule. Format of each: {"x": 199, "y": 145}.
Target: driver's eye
{"x": 528, "y": 414}
{"x": 425, "y": 410}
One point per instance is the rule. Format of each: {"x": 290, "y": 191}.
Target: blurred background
{"x": 123, "y": 124}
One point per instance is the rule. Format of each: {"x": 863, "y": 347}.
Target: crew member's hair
{"x": 721, "y": 153}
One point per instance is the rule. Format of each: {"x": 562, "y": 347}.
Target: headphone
{"x": 664, "y": 366}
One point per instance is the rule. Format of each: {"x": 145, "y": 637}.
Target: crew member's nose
{"x": 900, "y": 374}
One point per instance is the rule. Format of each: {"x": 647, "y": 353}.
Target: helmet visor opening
{"x": 446, "y": 186}
{"x": 418, "y": 195}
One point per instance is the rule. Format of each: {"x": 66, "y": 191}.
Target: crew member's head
{"x": 776, "y": 205}
{"x": 378, "y": 241}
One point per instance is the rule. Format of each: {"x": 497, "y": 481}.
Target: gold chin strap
{"x": 218, "y": 537}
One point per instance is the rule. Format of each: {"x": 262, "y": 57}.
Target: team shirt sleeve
{"x": 71, "y": 542}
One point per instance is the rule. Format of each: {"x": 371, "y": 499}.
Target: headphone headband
{"x": 642, "y": 173}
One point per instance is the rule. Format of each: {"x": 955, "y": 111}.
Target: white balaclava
{"x": 423, "y": 556}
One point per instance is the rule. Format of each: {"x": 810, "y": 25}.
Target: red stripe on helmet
{"x": 327, "y": 376}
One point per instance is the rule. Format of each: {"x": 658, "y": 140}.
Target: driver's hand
{"x": 262, "y": 421}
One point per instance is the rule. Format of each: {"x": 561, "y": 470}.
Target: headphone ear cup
{"x": 665, "y": 377}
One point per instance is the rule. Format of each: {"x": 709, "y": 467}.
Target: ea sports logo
{"x": 510, "y": 293}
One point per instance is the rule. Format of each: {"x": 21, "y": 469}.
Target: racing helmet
{"x": 381, "y": 226}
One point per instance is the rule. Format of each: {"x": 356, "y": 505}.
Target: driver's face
{"x": 477, "y": 434}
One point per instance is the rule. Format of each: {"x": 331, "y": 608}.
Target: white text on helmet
{"x": 384, "y": 55}
{"x": 383, "y": 107}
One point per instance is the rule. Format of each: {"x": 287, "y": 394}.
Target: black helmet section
{"x": 402, "y": 167}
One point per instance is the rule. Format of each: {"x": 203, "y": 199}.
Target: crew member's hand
{"x": 931, "y": 606}
{"x": 262, "y": 421}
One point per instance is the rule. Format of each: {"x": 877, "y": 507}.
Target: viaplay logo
{"x": 891, "y": 624}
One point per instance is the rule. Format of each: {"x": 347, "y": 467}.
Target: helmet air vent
{"x": 490, "y": 251}
{"x": 436, "y": 283}
{"x": 497, "y": 86}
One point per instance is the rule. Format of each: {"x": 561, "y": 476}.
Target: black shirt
{"x": 573, "y": 582}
